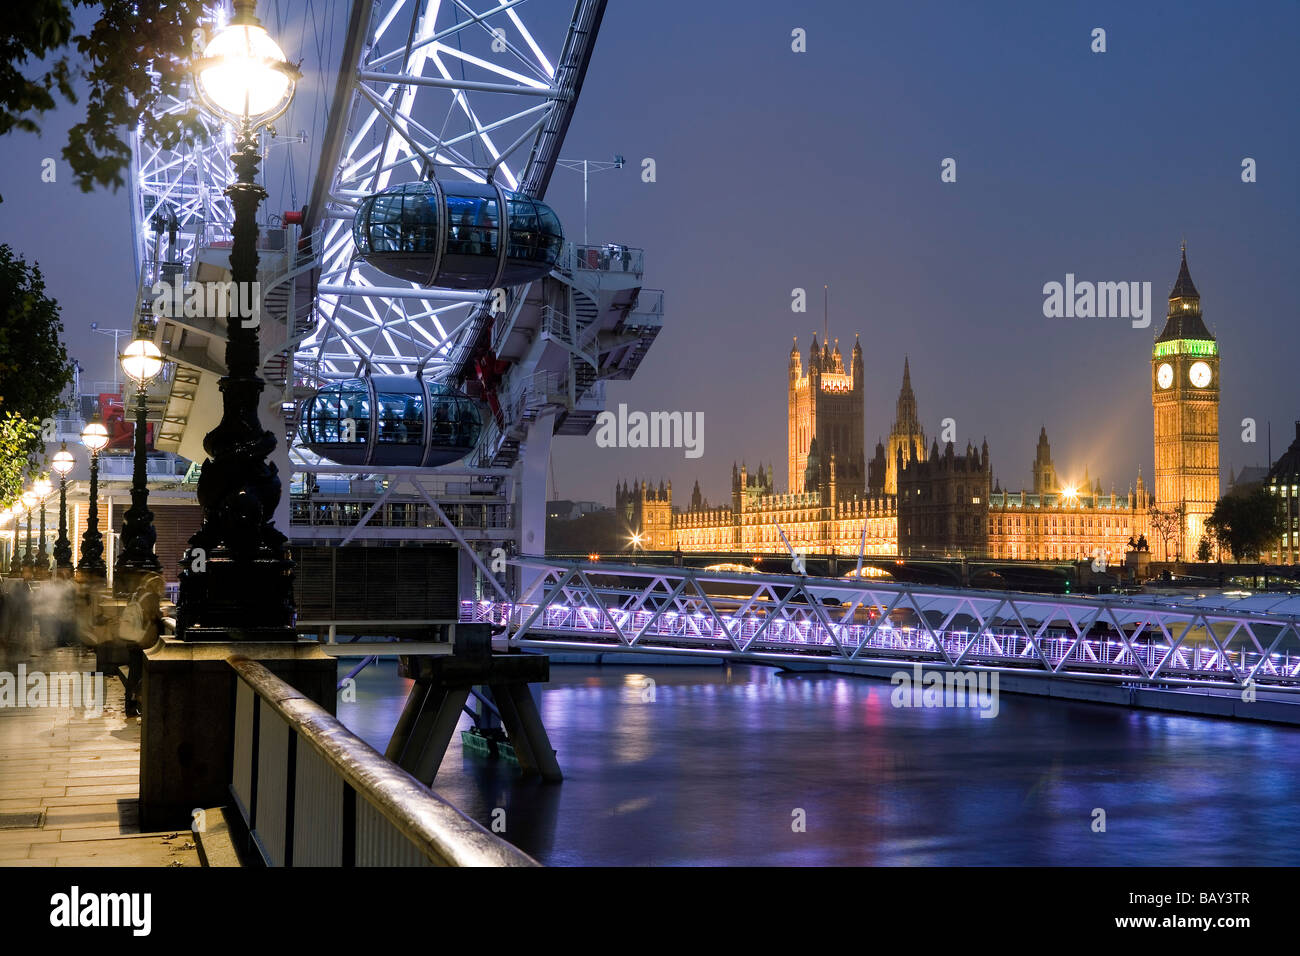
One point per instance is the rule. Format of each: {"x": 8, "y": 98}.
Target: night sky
{"x": 779, "y": 170}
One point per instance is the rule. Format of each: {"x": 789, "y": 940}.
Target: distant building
{"x": 946, "y": 503}
{"x": 562, "y": 509}
{"x": 943, "y": 502}
{"x": 911, "y": 500}
{"x": 648, "y": 513}
{"x": 1283, "y": 480}
{"x": 1062, "y": 521}
{"x": 1247, "y": 480}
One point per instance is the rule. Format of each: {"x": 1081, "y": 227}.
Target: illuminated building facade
{"x": 1070, "y": 522}
{"x": 906, "y": 438}
{"x": 648, "y": 512}
{"x": 825, "y": 421}
{"x": 1185, "y": 399}
{"x": 912, "y": 501}
{"x": 1284, "y": 481}
{"x": 946, "y": 503}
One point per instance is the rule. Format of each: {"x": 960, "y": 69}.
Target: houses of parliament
{"x": 915, "y": 498}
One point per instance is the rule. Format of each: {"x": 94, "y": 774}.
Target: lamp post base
{"x": 237, "y": 600}
{"x": 91, "y": 575}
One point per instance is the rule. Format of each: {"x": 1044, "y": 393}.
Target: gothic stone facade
{"x": 912, "y": 501}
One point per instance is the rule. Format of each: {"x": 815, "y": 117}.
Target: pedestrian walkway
{"x": 70, "y": 777}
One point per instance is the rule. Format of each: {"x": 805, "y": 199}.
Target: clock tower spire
{"x": 1185, "y": 398}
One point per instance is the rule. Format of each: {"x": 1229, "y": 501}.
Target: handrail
{"x": 437, "y": 829}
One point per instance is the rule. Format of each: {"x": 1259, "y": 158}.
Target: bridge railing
{"x": 313, "y": 794}
{"x": 655, "y": 608}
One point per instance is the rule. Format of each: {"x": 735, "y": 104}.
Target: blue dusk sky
{"x": 779, "y": 170}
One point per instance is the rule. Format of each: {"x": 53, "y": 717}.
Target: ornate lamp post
{"x": 63, "y": 463}
{"x": 15, "y": 559}
{"x": 42, "y": 487}
{"x": 9, "y": 515}
{"x": 29, "y": 503}
{"x": 141, "y": 361}
{"x": 94, "y": 436}
{"x": 236, "y": 579}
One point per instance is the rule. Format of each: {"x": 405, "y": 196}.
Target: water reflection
{"x": 712, "y": 768}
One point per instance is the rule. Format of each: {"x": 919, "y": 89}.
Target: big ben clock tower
{"x": 1185, "y": 396}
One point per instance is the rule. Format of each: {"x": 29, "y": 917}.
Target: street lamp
{"x": 42, "y": 487}
{"x": 236, "y": 579}
{"x": 94, "y": 436}
{"x": 141, "y": 361}
{"x": 9, "y": 514}
{"x": 15, "y": 560}
{"x": 63, "y": 463}
{"x": 29, "y": 502}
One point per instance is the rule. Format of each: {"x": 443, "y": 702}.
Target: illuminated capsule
{"x": 450, "y": 235}
{"x": 390, "y": 420}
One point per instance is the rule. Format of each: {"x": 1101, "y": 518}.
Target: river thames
{"x": 748, "y": 766}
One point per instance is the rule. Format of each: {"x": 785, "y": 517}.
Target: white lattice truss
{"x": 690, "y": 612}
{"x": 191, "y": 181}
{"x": 446, "y": 89}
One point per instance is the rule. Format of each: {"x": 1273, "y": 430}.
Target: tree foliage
{"x": 1246, "y": 525}
{"x": 17, "y": 437}
{"x": 136, "y": 53}
{"x": 34, "y": 365}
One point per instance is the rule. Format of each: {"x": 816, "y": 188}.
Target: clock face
{"x": 1200, "y": 374}
{"x": 1165, "y": 375}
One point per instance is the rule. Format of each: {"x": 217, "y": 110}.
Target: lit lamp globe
{"x": 29, "y": 499}
{"x": 243, "y": 75}
{"x": 63, "y": 462}
{"x": 141, "y": 360}
{"x": 42, "y": 487}
{"x": 94, "y": 436}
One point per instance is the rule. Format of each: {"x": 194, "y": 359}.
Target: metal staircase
{"x": 196, "y": 344}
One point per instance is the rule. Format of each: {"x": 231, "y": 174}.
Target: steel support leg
{"x": 431, "y": 733}
{"x": 528, "y": 726}
{"x": 514, "y": 729}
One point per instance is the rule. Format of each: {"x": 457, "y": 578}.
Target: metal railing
{"x": 339, "y": 487}
{"x": 556, "y": 324}
{"x": 685, "y": 611}
{"x": 648, "y": 309}
{"x": 593, "y": 399}
{"x": 120, "y": 467}
{"x": 533, "y": 392}
{"x": 410, "y": 514}
{"x": 313, "y": 794}
{"x": 610, "y": 257}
